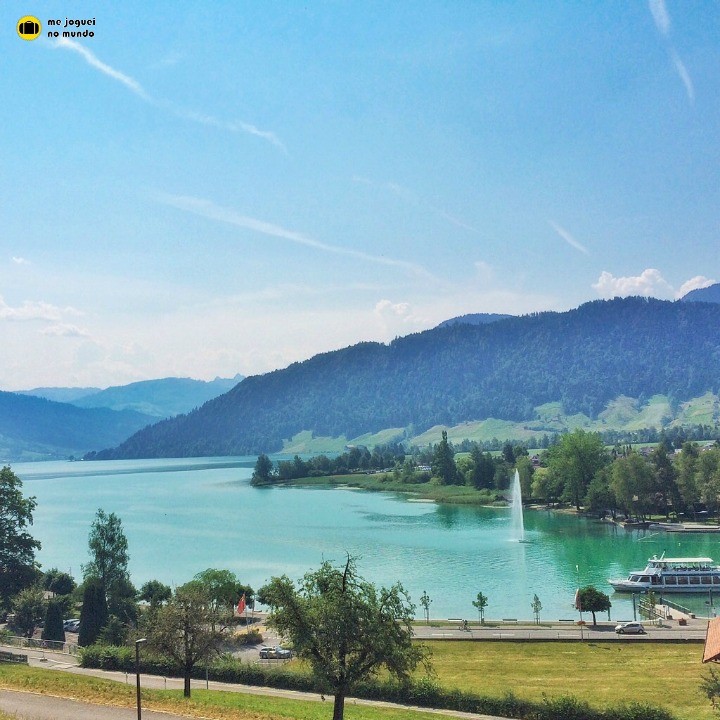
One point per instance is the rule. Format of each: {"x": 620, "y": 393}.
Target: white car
{"x": 634, "y": 628}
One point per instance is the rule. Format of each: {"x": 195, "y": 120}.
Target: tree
{"x": 183, "y": 630}
{"x": 480, "y": 604}
{"x": 592, "y": 600}
{"x": 155, "y": 593}
{"x": 53, "y": 628}
{"x": 94, "y": 613}
{"x": 108, "y": 550}
{"x": 536, "y": 606}
{"x": 29, "y": 607}
{"x": 17, "y": 547}
{"x": 425, "y": 602}
{"x": 443, "y": 463}
{"x": 345, "y": 628}
{"x": 60, "y": 583}
{"x": 575, "y": 460}
{"x": 221, "y": 587}
{"x": 483, "y": 471}
{"x": 264, "y": 473}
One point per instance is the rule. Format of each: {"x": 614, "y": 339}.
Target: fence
{"x": 32, "y": 643}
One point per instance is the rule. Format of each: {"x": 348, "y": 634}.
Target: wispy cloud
{"x": 411, "y": 198}
{"x": 661, "y": 17}
{"x": 20, "y": 260}
{"x": 135, "y": 87}
{"x": 65, "y": 330}
{"x": 94, "y": 61}
{"x": 568, "y": 238}
{"x": 208, "y": 209}
{"x": 34, "y": 310}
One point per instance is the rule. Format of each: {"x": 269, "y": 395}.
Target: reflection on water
{"x": 182, "y": 516}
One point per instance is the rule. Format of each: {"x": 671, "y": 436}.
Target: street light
{"x": 137, "y": 673}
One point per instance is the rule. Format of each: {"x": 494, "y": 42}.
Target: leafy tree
{"x": 222, "y": 588}
{"x": 264, "y": 472}
{"x": 592, "y": 600}
{"x": 94, "y": 613}
{"x": 29, "y": 607}
{"x": 633, "y": 484}
{"x": 425, "y": 601}
{"x": 536, "y": 606}
{"x": 345, "y": 628}
{"x": 114, "y": 633}
{"x": 483, "y": 470}
{"x": 575, "y": 460}
{"x": 60, "y": 583}
{"x": 122, "y": 600}
{"x": 480, "y": 604}
{"x": 443, "y": 463}
{"x": 53, "y": 629}
{"x": 183, "y": 630}
{"x": 108, "y": 549}
{"x": 600, "y": 498}
{"x": 155, "y": 593}
{"x": 17, "y": 547}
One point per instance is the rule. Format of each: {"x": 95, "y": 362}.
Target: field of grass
{"x": 216, "y": 705}
{"x": 601, "y": 673}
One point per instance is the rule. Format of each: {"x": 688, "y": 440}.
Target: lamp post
{"x": 137, "y": 673}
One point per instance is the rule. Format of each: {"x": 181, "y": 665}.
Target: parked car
{"x": 71, "y": 625}
{"x": 634, "y": 628}
{"x": 274, "y": 653}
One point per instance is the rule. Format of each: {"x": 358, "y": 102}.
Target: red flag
{"x": 241, "y": 605}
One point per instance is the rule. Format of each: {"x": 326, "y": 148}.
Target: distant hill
{"x": 709, "y": 294}
{"x": 474, "y": 319}
{"x": 581, "y": 359}
{"x": 162, "y": 398}
{"x": 33, "y": 428}
{"x": 60, "y": 394}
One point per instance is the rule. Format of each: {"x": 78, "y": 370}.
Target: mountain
{"x": 157, "y": 398}
{"x": 709, "y": 294}
{"x": 33, "y": 428}
{"x": 60, "y": 394}
{"x": 474, "y": 319}
{"x": 582, "y": 359}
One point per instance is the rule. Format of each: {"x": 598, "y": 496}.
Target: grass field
{"x": 603, "y": 674}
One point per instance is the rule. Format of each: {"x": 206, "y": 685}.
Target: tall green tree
{"x": 633, "y": 483}
{"x": 108, "y": 548}
{"x": 575, "y": 460}
{"x": 18, "y": 569}
{"x": 58, "y": 582}
{"x": 345, "y": 628}
{"x": 264, "y": 472}
{"x": 53, "y": 628}
{"x": 155, "y": 593}
{"x": 183, "y": 629}
{"x": 29, "y": 607}
{"x": 483, "y": 471}
{"x": 443, "y": 462}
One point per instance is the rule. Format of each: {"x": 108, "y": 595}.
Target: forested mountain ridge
{"x": 583, "y": 358}
{"x": 33, "y": 428}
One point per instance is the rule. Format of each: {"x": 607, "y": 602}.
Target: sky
{"x": 204, "y": 189}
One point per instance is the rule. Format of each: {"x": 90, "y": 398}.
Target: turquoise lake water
{"x": 183, "y": 516}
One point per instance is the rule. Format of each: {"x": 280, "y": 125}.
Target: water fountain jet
{"x": 517, "y": 524}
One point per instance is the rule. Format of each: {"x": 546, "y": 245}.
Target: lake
{"x": 183, "y": 516}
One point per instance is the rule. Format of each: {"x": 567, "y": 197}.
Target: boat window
{"x": 694, "y": 580}
{"x": 706, "y": 580}
{"x": 645, "y": 578}
{"x": 634, "y": 578}
{"x": 671, "y": 580}
{"x": 716, "y": 579}
{"x": 682, "y": 580}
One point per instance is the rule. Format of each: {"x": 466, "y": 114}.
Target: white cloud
{"x": 104, "y": 68}
{"x": 660, "y": 16}
{"x": 398, "y": 319}
{"x": 20, "y": 261}
{"x": 568, "y": 238}
{"x": 684, "y": 75}
{"x": 208, "y": 209}
{"x": 65, "y": 330}
{"x": 138, "y": 89}
{"x": 650, "y": 283}
{"x": 699, "y": 281}
{"x": 30, "y": 310}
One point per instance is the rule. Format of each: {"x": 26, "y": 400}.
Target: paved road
{"x": 28, "y": 706}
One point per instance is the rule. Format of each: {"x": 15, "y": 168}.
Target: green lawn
{"x": 667, "y": 675}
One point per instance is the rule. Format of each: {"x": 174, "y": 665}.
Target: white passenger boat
{"x": 672, "y": 575}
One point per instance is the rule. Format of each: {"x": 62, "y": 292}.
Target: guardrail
{"x": 31, "y": 643}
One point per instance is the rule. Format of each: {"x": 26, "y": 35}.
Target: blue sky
{"x": 202, "y": 189}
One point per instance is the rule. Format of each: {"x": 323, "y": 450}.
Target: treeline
{"x": 582, "y": 358}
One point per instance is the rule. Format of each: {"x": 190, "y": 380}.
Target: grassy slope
{"x": 623, "y": 414}
{"x": 601, "y": 673}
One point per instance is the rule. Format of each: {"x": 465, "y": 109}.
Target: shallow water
{"x": 182, "y": 516}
